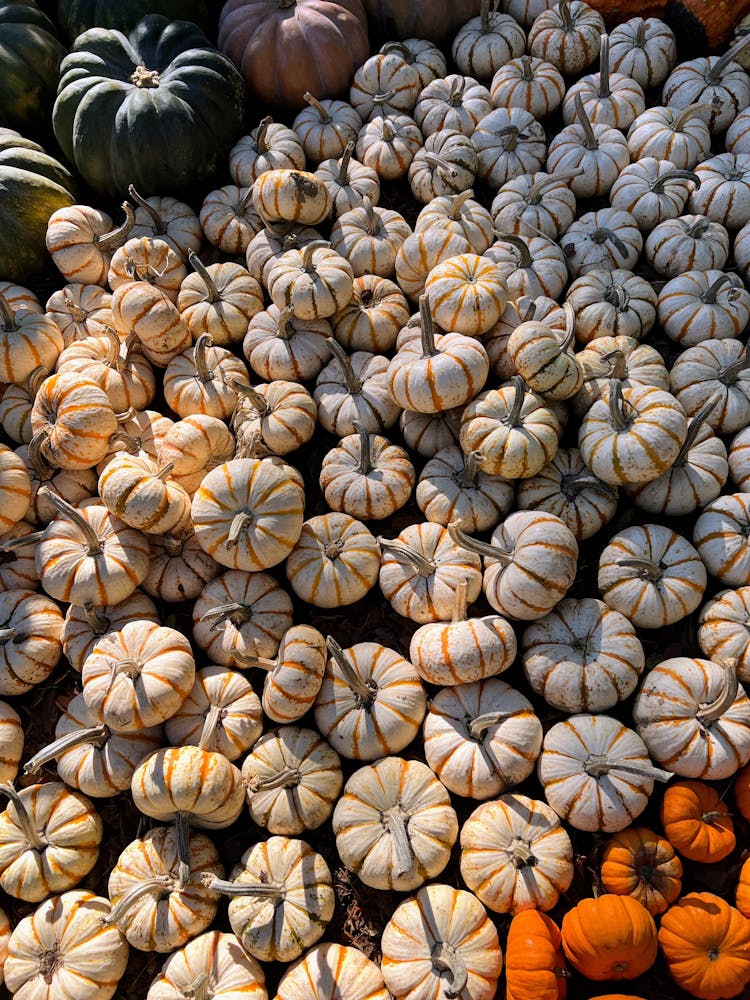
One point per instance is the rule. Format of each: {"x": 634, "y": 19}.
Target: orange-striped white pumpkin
{"x": 138, "y": 492}
{"x": 30, "y": 640}
{"x": 294, "y": 678}
{"x": 721, "y": 537}
{"x": 279, "y": 346}
{"x": 81, "y": 241}
{"x": 714, "y": 370}
{"x": 722, "y": 630}
{"x": 544, "y": 360}
{"x": 145, "y": 311}
{"x": 353, "y": 390}
{"x": 30, "y": 340}
{"x": 219, "y": 300}
{"x": 460, "y": 214}
{"x": 466, "y": 294}
{"x": 15, "y": 489}
{"x": 284, "y": 195}
{"x": 366, "y": 476}
{"x": 199, "y": 380}
{"x": 80, "y": 311}
{"x": 178, "y": 567}
{"x": 279, "y": 414}
{"x": 270, "y": 146}
{"x": 79, "y": 420}
{"x": 329, "y": 970}
{"x": 369, "y": 237}
{"x": 214, "y": 957}
{"x": 17, "y": 563}
{"x": 194, "y": 446}
{"x": 335, "y": 561}
{"x": 84, "y": 625}
{"x": 126, "y": 377}
{"x": 11, "y": 743}
{"x": 149, "y": 259}
{"x": 455, "y": 487}
{"x": 421, "y": 252}
{"x": 229, "y": 220}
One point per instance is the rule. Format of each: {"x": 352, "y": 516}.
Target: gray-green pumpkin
{"x": 77, "y": 16}
{"x": 159, "y": 108}
{"x": 30, "y": 57}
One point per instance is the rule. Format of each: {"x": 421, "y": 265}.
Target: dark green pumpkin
{"x": 159, "y": 108}
{"x": 33, "y": 185}
{"x": 77, "y": 16}
{"x": 29, "y": 65}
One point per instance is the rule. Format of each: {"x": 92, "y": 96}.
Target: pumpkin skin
{"x": 697, "y": 822}
{"x": 30, "y": 61}
{"x": 34, "y": 185}
{"x": 119, "y": 95}
{"x": 612, "y": 937}
{"x": 331, "y": 972}
{"x": 286, "y": 49}
{"x": 77, "y": 16}
{"x": 534, "y": 962}
{"x": 639, "y": 863}
{"x": 212, "y": 957}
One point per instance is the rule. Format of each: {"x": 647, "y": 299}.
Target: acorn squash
{"x": 33, "y": 185}
{"x": 29, "y": 65}
{"x": 77, "y": 16}
{"x": 159, "y": 108}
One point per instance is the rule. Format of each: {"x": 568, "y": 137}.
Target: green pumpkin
{"x": 29, "y": 65}
{"x": 159, "y": 109}
{"x": 33, "y": 185}
{"x": 77, "y": 16}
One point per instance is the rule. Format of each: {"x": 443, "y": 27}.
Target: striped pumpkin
{"x": 126, "y": 376}
{"x": 721, "y": 537}
{"x": 149, "y": 259}
{"x": 65, "y": 950}
{"x": 622, "y": 358}
{"x": 715, "y": 370}
{"x": 280, "y": 415}
{"x": 30, "y": 640}
{"x": 611, "y": 304}
{"x": 284, "y": 195}
{"x": 515, "y": 854}
{"x": 269, "y": 146}
{"x": 80, "y": 311}
{"x": 429, "y": 433}
{"x": 460, "y": 214}
{"x": 82, "y": 239}
{"x": 219, "y": 300}
{"x": 178, "y": 567}
{"x": 142, "y": 495}
{"x": 229, "y": 220}
{"x": 294, "y": 678}
{"x": 354, "y": 975}
{"x": 11, "y": 742}
{"x": 139, "y": 676}
{"x": 17, "y": 563}
{"x": 640, "y": 863}
{"x": 15, "y": 489}
{"x": 199, "y": 380}
{"x": 466, "y": 294}
{"x": 446, "y": 166}
{"x": 366, "y": 476}
{"x": 703, "y": 305}
{"x": 72, "y": 485}
{"x": 348, "y": 181}
{"x": 421, "y": 252}
{"x": 146, "y": 312}
{"x": 278, "y": 346}
{"x": 528, "y": 82}
{"x": 248, "y": 513}
{"x": 78, "y": 418}
{"x": 354, "y": 390}
{"x": 30, "y": 340}
{"x": 217, "y": 957}
{"x": 383, "y": 84}
{"x": 369, "y": 237}
{"x": 536, "y": 204}
{"x": 532, "y": 265}
{"x": 544, "y": 361}
{"x": 722, "y": 633}
{"x": 455, "y": 487}
{"x": 452, "y": 102}
{"x": 194, "y": 446}
{"x": 291, "y": 779}
{"x": 739, "y": 459}
{"x": 689, "y": 243}
{"x": 315, "y": 282}
{"x": 84, "y": 625}
{"x": 388, "y": 144}
{"x": 371, "y": 702}
{"x": 335, "y": 561}
{"x": 267, "y": 246}
{"x": 372, "y": 318}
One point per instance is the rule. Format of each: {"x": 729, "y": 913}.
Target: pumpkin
{"x": 31, "y": 61}
{"x": 487, "y": 42}
{"x": 459, "y": 214}
{"x": 423, "y": 55}
{"x": 452, "y": 102}
{"x": 77, "y": 16}
{"x": 536, "y": 204}
{"x": 608, "y": 98}
{"x": 421, "y": 252}
{"x": 722, "y": 635}
{"x": 369, "y": 238}
{"x": 696, "y": 721}
{"x": 388, "y": 144}
{"x": 292, "y": 777}
{"x": 353, "y": 390}
{"x": 228, "y": 218}
{"x": 644, "y": 49}
{"x": 218, "y": 300}
{"x": 84, "y": 625}
{"x": 316, "y": 282}
{"x": 606, "y": 240}
{"x": 30, "y": 640}
{"x": 125, "y": 375}
{"x": 718, "y": 371}
{"x": 568, "y": 35}
{"x": 11, "y": 742}
{"x": 170, "y": 220}
{"x": 638, "y": 862}
{"x": 280, "y": 415}
{"x": 652, "y": 191}
{"x": 697, "y": 822}
{"x": 294, "y": 677}
{"x": 141, "y": 494}
{"x": 596, "y": 773}
{"x": 213, "y": 957}
{"x": 724, "y": 193}
{"x": 384, "y": 84}
{"x": 15, "y": 489}
{"x": 738, "y": 464}
{"x": 534, "y": 961}
{"x": 155, "y": 103}
{"x": 680, "y": 136}
{"x": 705, "y": 943}
{"x": 593, "y": 154}
{"x": 199, "y": 380}
{"x": 532, "y": 267}
{"x": 703, "y": 305}
{"x": 394, "y": 824}
{"x": 690, "y": 243}
{"x": 481, "y": 738}
{"x": 716, "y": 80}
{"x": 49, "y": 840}
{"x": 281, "y": 898}
{"x": 441, "y": 930}
{"x": 348, "y": 182}
{"x": 150, "y": 905}
{"x": 265, "y": 248}
{"x": 331, "y": 970}
{"x": 325, "y": 127}
{"x": 143, "y": 311}
{"x": 279, "y": 346}
{"x": 81, "y": 241}
{"x": 741, "y": 895}
{"x": 335, "y": 561}
{"x": 454, "y": 487}
{"x": 509, "y": 142}
{"x": 17, "y": 566}
{"x": 530, "y": 83}
{"x": 544, "y": 361}
{"x": 147, "y": 258}
{"x": 515, "y": 855}
{"x": 446, "y": 165}
{"x": 35, "y": 185}
{"x": 30, "y": 340}
{"x": 80, "y": 311}
{"x": 612, "y": 937}
{"x": 582, "y": 656}
{"x": 64, "y": 949}
{"x": 720, "y": 535}
{"x": 270, "y": 146}
{"x": 366, "y": 476}
{"x": 428, "y": 433}
{"x": 179, "y": 568}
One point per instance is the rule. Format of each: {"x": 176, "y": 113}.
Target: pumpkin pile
{"x": 315, "y": 425}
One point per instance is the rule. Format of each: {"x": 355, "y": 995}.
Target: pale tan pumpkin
{"x": 316, "y": 281}
{"x": 213, "y": 957}
{"x": 85, "y": 624}
{"x": 279, "y": 346}
{"x": 171, "y": 220}
{"x": 388, "y": 143}
{"x": 142, "y": 495}
{"x": 720, "y": 536}
{"x": 270, "y": 146}
{"x": 325, "y": 127}
{"x": 279, "y": 414}
{"x": 429, "y": 433}
{"x": 80, "y": 311}
{"x": 422, "y": 251}
{"x": 30, "y": 640}
{"x": 267, "y": 246}
{"x": 369, "y": 238}
{"x": 611, "y": 304}
{"x": 218, "y": 299}
{"x": 125, "y": 375}
{"x": 722, "y": 633}
{"x": 201, "y": 380}
{"x": 383, "y": 84}
{"x": 460, "y": 214}
{"x": 335, "y": 561}
{"x": 79, "y": 420}
{"x": 366, "y": 476}
{"x": 147, "y": 259}
{"x": 178, "y": 567}
{"x": 446, "y": 165}
{"x": 229, "y": 220}
{"x": 329, "y": 971}
{"x": 372, "y": 318}
{"x": 354, "y": 390}
{"x": 294, "y": 677}
{"x": 529, "y": 83}
{"x": 141, "y": 309}
{"x": 544, "y": 361}
{"x": 348, "y": 181}
{"x": 291, "y": 196}
{"x": 194, "y": 446}
{"x": 15, "y": 489}
{"x": 454, "y": 487}
{"x": 81, "y": 241}
{"x": 452, "y": 102}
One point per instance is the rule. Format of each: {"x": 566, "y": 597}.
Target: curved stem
{"x": 7, "y": 317}
{"x": 603, "y": 234}
{"x": 423, "y": 566}
{"x": 389, "y": 133}
{"x": 573, "y": 484}
{"x": 237, "y": 614}
{"x": 204, "y": 373}
{"x": 522, "y": 855}
{"x": 731, "y": 373}
{"x": 467, "y": 476}
{"x": 598, "y": 765}
{"x": 712, "y": 711}
{"x": 604, "y": 87}
{"x": 458, "y": 202}
{"x": 524, "y": 256}
{"x": 694, "y": 428}
{"x": 715, "y": 72}
{"x": 111, "y": 241}
{"x": 709, "y": 296}
{"x": 456, "y": 94}
{"x": 246, "y": 391}
{"x": 485, "y": 549}
{"x": 240, "y": 522}
{"x": 698, "y": 228}
{"x": 365, "y": 450}
{"x": 93, "y": 735}
{"x": 438, "y": 163}
{"x": 245, "y": 201}
{"x": 565, "y": 15}
{"x": 198, "y": 989}
{"x": 428, "y": 328}
{"x": 647, "y": 568}
{"x": 383, "y": 97}
{"x": 353, "y": 384}
{"x": 285, "y": 328}
{"x": 266, "y": 890}
{"x": 64, "y": 509}
{"x": 315, "y": 103}
{"x": 23, "y": 541}
{"x": 260, "y": 135}
{"x": 570, "y": 327}
{"x": 559, "y": 179}
{"x": 590, "y": 140}
{"x": 287, "y": 777}
{"x": 687, "y": 113}
{"x": 30, "y": 832}
{"x": 445, "y": 958}
{"x": 485, "y": 721}
{"x": 346, "y": 156}
{"x": 40, "y": 466}
{"x": 159, "y": 225}
{"x": 657, "y": 186}
{"x": 617, "y": 406}
{"x": 393, "y": 820}
{"x": 210, "y": 725}
{"x": 145, "y": 888}
{"x": 365, "y": 691}
{"x": 200, "y": 268}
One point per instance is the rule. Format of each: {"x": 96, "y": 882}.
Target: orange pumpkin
{"x": 742, "y": 791}
{"x": 638, "y": 862}
{"x": 534, "y": 963}
{"x": 697, "y": 822}
{"x": 612, "y": 937}
{"x": 742, "y": 895}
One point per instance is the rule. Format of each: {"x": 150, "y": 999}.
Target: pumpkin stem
{"x": 711, "y": 711}
{"x": 438, "y": 163}
{"x": 419, "y": 563}
{"x": 285, "y": 328}
{"x": 96, "y": 735}
{"x": 246, "y": 200}
{"x": 198, "y": 989}
{"x": 711, "y": 817}
{"x": 237, "y": 614}
{"x": 527, "y": 70}
{"x": 589, "y": 136}
{"x": 287, "y": 777}
{"x": 353, "y": 384}
{"x": 182, "y": 829}
{"x": 570, "y": 327}
{"x": 445, "y": 958}
{"x": 563, "y": 9}
{"x": 6, "y": 634}
{"x": 604, "y": 87}
{"x": 428, "y": 328}
{"x": 394, "y": 820}
{"x": 159, "y": 884}
{"x": 388, "y": 130}
{"x": 23, "y": 541}
{"x": 211, "y": 723}
{"x": 42, "y": 469}
{"x": 457, "y": 203}
{"x": 460, "y": 601}
{"x": 114, "y": 359}
{"x": 7, "y": 317}
{"x": 618, "y": 297}
{"x": 526, "y": 307}
{"x": 248, "y": 392}
{"x": 365, "y": 450}
{"x": 64, "y": 509}
{"x": 160, "y": 226}
{"x": 200, "y": 268}
{"x": 114, "y": 239}
{"x": 731, "y": 373}
{"x": 241, "y": 521}
{"x": 597, "y": 765}
{"x": 698, "y": 228}
{"x": 78, "y": 314}
{"x": 467, "y": 476}
{"x": 346, "y": 156}
{"x": 456, "y": 95}
{"x": 617, "y": 406}
{"x": 538, "y": 188}
{"x": 262, "y": 662}
{"x": 487, "y": 720}
{"x": 261, "y": 133}
{"x": 22, "y": 818}
{"x": 200, "y": 362}
{"x": 524, "y": 255}
{"x": 522, "y": 855}
{"x": 266, "y": 890}
{"x": 320, "y": 108}
{"x": 647, "y": 569}
{"x": 372, "y": 222}
{"x": 575, "y": 482}
{"x": 98, "y": 622}
{"x": 365, "y": 691}
{"x": 34, "y": 381}
{"x": 687, "y": 113}
{"x": 694, "y": 428}
{"x": 485, "y": 549}
{"x": 709, "y": 296}
{"x": 383, "y": 97}
{"x": 717, "y": 68}
{"x": 513, "y": 417}
{"x": 657, "y": 186}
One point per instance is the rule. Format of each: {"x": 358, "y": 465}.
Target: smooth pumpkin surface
{"x": 164, "y": 88}
{"x": 30, "y": 57}
{"x": 77, "y": 16}
{"x": 612, "y": 937}
{"x": 33, "y": 185}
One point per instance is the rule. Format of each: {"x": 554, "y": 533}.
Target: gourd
{"x": 369, "y": 238}
{"x": 142, "y": 495}
{"x": 718, "y": 371}
{"x": 716, "y": 80}
{"x": 294, "y": 677}
{"x": 156, "y": 101}
{"x": 453, "y": 487}
{"x": 218, "y": 300}
{"x": 453, "y": 102}
{"x": 612, "y": 937}
{"x": 720, "y": 535}
{"x": 11, "y": 742}
{"x": 325, "y": 127}
{"x": 85, "y": 624}
{"x": 534, "y": 961}
{"x": 697, "y": 822}
{"x": 80, "y": 311}
{"x": 284, "y": 195}
{"x": 460, "y": 214}
{"x": 487, "y": 42}
{"x": 179, "y": 567}
{"x": 466, "y": 295}
{"x": 366, "y": 476}
{"x": 30, "y": 640}
{"x": 652, "y": 190}
{"x": 534, "y": 204}
{"x": 316, "y": 281}
{"x": 703, "y": 305}
{"x": 335, "y": 561}
{"x": 530, "y": 83}
{"x": 279, "y": 346}
{"x": 228, "y": 218}
{"x": 508, "y": 142}
{"x": 533, "y": 267}
{"x": 638, "y": 862}
{"x": 678, "y": 135}
{"x": 384, "y": 84}
{"x": 30, "y": 341}
{"x": 389, "y": 144}
{"x": 593, "y": 154}
{"x": 214, "y": 957}
{"x": 446, "y": 165}
{"x": 568, "y": 36}
{"x": 724, "y": 193}
{"x": 125, "y": 375}
{"x": 544, "y": 361}
{"x": 329, "y": 969}
{"x": 31, "y": 61}
{"x": 644, "y": 49}
{"x": 722, "y": 635}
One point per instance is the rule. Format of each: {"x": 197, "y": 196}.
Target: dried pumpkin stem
{"x": 365, "y": 691}
{"x": 42, "y": 468}
{"x": 7, "y": 317}
{"x": 372, "y": 223}
{"x": 200, "y": 361}
{"x": 445, "y": 958}
{"x": 647, "y": 569}
{"x": 240, "y": 523}
{"x": 617, "y": 406}
{"x": 288, "y": 777}
{"x": 399, "y": 49}
{"x": 420, "y": 563}
{"x": 211, "y": 723}
{"x": 513, "y": 417}
{"x": 95, "y": 735}
{"x": 691, "y": 111}
{"x": 570, "y": 327}
{"x": 589, "y": 136}
{"x": 261, "y": 662}
{"x": 698, "y": 228}
{"x": 485, "y": 549}
{"x": 456, "y": 95}
{"x": 346, "y": 156}
{"x": 246, "y": 391}
{"x": 618, "y": 297}
{"x": 712, "y": 817}
{"x": 30, "y": 832}
{"x": 536, "y": 191}
{"x": 285, "y": 328}
{"x": 563, "y": 9}
{"x": 520, "y": 244}
{"x": 261, "y": 134}
{"x": 21, "y": 543}
{"x": 172, "y": 545}
{"x": 365, "y": 450}
{"x": 428, "y": 328}
{"x": 200, "y": 269}
{"x": 527, "y": 70}
{"x": 6, "y": 634}
{"x": 460, "y": 601}
{"x": 468, "y": 475}
{"x": 694, "y": 428}
{"x": 64, "y": 509}
{"x": 237, "y": 614}
{"x": 438, "y": 163}
{"x": 265, "y": 890}
{"x": 383, "y": 97}
{"x": 353, "y": 384}
{"x": 182, "y": 829}
{"x": 731, "y": 373}
{"x": 575, "y": 482}
{"x": 394, "y": 820}
{"x": 711, "y": 711}
{"x": 388, "y": 130}
{"x": 657, "y": 186}
{"x": 487, "y": 720}
{"x": 149, "y": 886}
{"x": 114, "y": 358}
{"x": 198, "y": 989}
{"x": 74, "y": 310}
{"x": 597, "y": 765}
{"x": 526, "y": 308}
{"x": 245, "y": 201}
{"x": 709, "y": 296}
{"x": 522, "y": 855}
{"x": 604, "y": 88}
{"x": 320, "y": 108}
{"x": 98, "y": 622}
{"x": 716, "y": 70}
{"x": 160, "y": 227}
{"x": 114, "y": 239}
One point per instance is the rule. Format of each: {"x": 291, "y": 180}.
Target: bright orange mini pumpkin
{"x": 742, "y": 791}
{"x": 638, "y": 862}
{"x": 612, "y": 937}
{"x": 534, "y": 963}
{"x": 742, "y": 895}
{"x": 696, "y": 821}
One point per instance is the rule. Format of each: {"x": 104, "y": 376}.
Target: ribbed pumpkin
{"x": 638, "y": 862}
{"x": 697, "y": 822}
{"x": 612, "y": 937}
{"x": 534, "y": 960}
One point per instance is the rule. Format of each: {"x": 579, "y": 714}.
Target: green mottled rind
{"x": 33, "y": 185}
{"x": 29, "y": 65}
{"x": 77, "y": 16}
{"x": 162, "y": 139}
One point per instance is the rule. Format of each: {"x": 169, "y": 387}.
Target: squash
{"x": 609, "y": 98}
{"x": 331, "y": 970}
{"x": 179, "y": 568}
{"x": 592, "y": 154}
{"x": 716, "y": 80}
{"x": 643, "y": 48}
{"x": 162, "y": 97}
{"x": 454, "y": 487}
{"x": 30, "y": 65}
{"x": 366, "y": 476}
{"x": 84, "y": 626}
{"x": 34, "y": 186}
{"x": 487, "y": 42}
{"x": 325, "y": 127}
{"x": 536, "y": 204}
{"x": 568, "y": 36}
{"x": 11, "y": 742}
{"x": 680, "y": 136}
{"x": 722, "y": 633}
{"x": 454, "y": 102}
{"x": 369, "y": 238}
{"x": 228, "y": 218}
{"x": 612, "y": 937}
{"x": 294, "y": 677}
{"x": 530, "y": 83}
{"x": 335, "y": 561}
{"x": 534, "y": 961}
{"x": 77, "y": 16}
{"x": 384, "y": 84}
{"x": 720, "y": 535}
{"x": 389, "y": 144}
{"x": 638, "y": 862}
{"x": 214, "y": 957}
{"x": 433, "y": 19}
{"x": 270, "y": 146}
{"x": 30, "y": 640}
{"x": 697, "y": 822}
